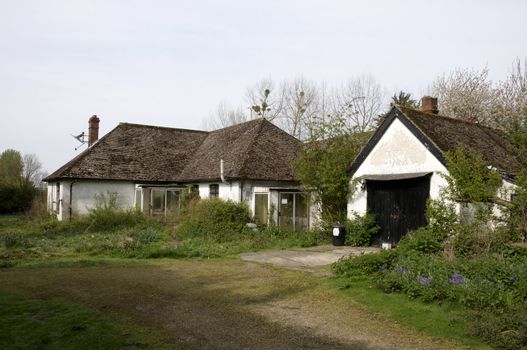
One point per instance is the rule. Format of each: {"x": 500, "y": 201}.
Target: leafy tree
{"x": 518, "y": 209}
{"x": 11, "y": 167}
{"x": 16, "y": 187}
{"x": 323, "y": 166}
{"x": 470, "y": 178}
{"x": 404, "y": 99}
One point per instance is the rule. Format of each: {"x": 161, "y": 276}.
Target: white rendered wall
{"x": 397, "y": 152}
{"x": 227, "y": 191}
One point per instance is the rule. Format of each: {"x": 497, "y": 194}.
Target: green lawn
{"x": 447, "y": 321}
{"x": 60, "y": 324}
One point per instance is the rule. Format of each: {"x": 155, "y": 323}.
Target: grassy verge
{"x": 59, "y": 324}
{"x": 445, "y": 321}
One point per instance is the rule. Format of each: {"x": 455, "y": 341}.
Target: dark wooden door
{"x": 398, "y": 205}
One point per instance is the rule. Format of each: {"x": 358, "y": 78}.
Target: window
{"x": 261, "y": 207}
{"x": 57, "y": 199}
{"x": 158, "y": 201}
{"x": 138, "y": 198}
{"x": 173, "y": 199}
{"x": 293, "y": 211}
{"x": 214, "y": 190}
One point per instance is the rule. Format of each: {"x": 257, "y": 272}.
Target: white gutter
{"x": 222, "y": 177}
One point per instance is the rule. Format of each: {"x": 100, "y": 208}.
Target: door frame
{"x": 294, "y": 193}
{"x": 426, "y": 185}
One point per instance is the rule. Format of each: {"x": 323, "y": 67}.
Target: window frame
{"x": 268, "y": 205}
{"x": 214, "y": 190}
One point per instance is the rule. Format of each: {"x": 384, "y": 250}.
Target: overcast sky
{"x": 171, "y": 62}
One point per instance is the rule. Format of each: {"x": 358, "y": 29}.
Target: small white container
{"x": 386, "y": 246}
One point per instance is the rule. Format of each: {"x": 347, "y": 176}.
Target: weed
{"x": 361, "y": 230}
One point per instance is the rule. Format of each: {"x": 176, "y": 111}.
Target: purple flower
{"x": 457, "y": 278}
{"x": 425, "y": 280}
{"x": 401, "y": 269}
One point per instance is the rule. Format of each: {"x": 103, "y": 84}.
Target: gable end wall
{"x": 398, "y": 151}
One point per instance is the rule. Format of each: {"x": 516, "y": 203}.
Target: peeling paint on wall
{"x": 398, "y": 150}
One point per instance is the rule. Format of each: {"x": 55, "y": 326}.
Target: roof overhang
{"x": 390, "y": 177}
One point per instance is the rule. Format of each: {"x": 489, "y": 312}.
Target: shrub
{"x": 361, "y": 229}
{"x": 502, "y": 331}
{"x": 442, "y": 218}
{"x": 474, "y": 240}
{"x": 423, "y": 240}
{"x": 214, "y": 219}
{"x": 38, "y": 211}
{"x": 16, "y": 197}
{"x": 442, "y": 223}
{"x": 364, "y": 265}
{"x": 107, "y": 216}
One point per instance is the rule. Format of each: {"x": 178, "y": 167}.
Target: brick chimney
{"x": 93, "y": 130}
{"x": 429, "y": 104}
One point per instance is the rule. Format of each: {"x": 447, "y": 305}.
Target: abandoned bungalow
{"x": 400, "y": 167}
{"x": 148, "y": 167}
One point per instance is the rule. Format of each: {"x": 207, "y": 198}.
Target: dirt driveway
{"x": 222, "y": 305}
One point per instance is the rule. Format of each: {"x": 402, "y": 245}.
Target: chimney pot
{"x": 93, "y": 130}
{"x": 429, "y": 104}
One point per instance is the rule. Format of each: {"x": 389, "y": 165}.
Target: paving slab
{"x": 306, "y": 258}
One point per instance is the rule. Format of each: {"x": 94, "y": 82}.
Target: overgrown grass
{"x": 207, "y": 229}
{"x": 119, "y": 234}
{"x": 58, "y": 324}
{"x": 214, "y": 228}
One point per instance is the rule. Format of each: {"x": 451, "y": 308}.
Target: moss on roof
{"x": 252, "y": 150}
{"x": 448, "y": 133}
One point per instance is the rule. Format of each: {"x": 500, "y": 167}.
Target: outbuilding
{"x": 402, "y": 164}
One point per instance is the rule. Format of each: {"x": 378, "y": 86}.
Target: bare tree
{"x": 300, "y": 104}
{"x": 299, "y": 108}
{"x": 359, "y": 101}
{"x": 265, "y": 100}
{"x": 465, "y": 94}
{"x": 470, "y": 95}
{"x": 225, "y": 115}
{"x": 510, "y": 97}
{"x": 32, "y": 169}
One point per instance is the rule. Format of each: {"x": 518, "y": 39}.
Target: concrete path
{"x": 305, "y": 258}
